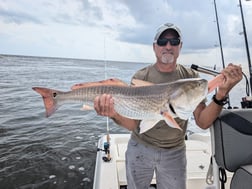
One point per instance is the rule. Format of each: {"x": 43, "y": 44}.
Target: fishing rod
{"x": 220, "y": 42}
{"x": 106, "y": 144}
{"x": 204, "y": 70}
{"x": 219, "y": 35}
{"x": 246, "y": 101}
{"x": 246, "y": 45}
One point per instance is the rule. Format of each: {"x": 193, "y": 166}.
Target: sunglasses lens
{"x": 174, "y": 42}
{"x": 164, "y": 41}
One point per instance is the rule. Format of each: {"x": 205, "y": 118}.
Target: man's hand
{"x": 232, "y": 74}
{"x": 104, "y": 105}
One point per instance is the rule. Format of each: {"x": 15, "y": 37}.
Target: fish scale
{"x": 135, "y": 107}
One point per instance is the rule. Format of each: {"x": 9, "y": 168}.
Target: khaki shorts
{"x": 169, "y": 166}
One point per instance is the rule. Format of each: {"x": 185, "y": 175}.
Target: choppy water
{"x": 57, "y": 152}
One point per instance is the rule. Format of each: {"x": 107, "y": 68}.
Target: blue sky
{"x": 122, "y": 30}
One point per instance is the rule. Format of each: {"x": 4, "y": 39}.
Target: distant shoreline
{"x": 49, "y": 57}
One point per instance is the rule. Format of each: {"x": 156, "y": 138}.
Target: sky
{"x": 123, "y": 30}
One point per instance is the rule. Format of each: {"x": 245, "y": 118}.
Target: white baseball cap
{"x": 167, "y": 26}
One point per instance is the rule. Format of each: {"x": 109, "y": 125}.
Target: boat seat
{"x": 242, "y": 178}
{"x": 233, "y": 139}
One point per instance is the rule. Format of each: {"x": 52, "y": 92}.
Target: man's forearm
{"x": 127, "y": 123}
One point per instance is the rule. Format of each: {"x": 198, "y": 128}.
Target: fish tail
{"x": 48, "y": 96}
{"x": 215, "y": 82}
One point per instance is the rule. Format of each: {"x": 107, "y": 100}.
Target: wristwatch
{"x": 221, "y": 102}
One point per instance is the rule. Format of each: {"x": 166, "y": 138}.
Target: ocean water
{"x": 57, "y": 152}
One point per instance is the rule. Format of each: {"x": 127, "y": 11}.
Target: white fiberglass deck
{"x": 112, "y": 175}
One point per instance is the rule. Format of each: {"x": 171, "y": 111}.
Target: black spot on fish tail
{"x": 172, "y": 109}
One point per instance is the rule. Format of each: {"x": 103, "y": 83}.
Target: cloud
{"x": 17, "y": 17}
{"x": 126, "y": 28}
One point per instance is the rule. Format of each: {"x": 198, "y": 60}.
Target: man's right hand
{"x": 104, "y": 105}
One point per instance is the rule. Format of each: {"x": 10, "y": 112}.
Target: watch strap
{"x": 221, "y": 102}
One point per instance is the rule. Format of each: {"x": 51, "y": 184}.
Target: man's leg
{"x": 139, "y": 165}
{"x": 171, "y": 170}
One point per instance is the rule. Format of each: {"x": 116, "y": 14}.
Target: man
{"x": 162, "y": 148}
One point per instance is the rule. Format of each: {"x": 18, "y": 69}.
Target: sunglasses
{"x": 164, "y": 41}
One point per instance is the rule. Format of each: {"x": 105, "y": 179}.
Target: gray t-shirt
{"x": 161, "y": 135}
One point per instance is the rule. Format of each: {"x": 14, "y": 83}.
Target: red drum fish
{"x": 151, "y": 102}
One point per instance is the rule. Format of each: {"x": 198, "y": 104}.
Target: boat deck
{"x": 112, "y": 174}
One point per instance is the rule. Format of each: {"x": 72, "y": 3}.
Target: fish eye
{"x": 54, "y": 95}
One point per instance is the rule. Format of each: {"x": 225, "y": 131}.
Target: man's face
{"x": 167, "y": 47}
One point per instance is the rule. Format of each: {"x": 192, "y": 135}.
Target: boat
{"x": 219, "y": 158}
{"x": 112, "y": 175}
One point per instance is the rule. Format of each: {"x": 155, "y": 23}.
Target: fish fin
{"x": 48, "y": 96}
{"x": 138, "y": 82}
{"x": 170, "y": 121}
{"x": 112, "y": 81}
{"x": 215, "y": 82}
{"x": 146, "y": 125}
{"x": 87, "y": 107}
